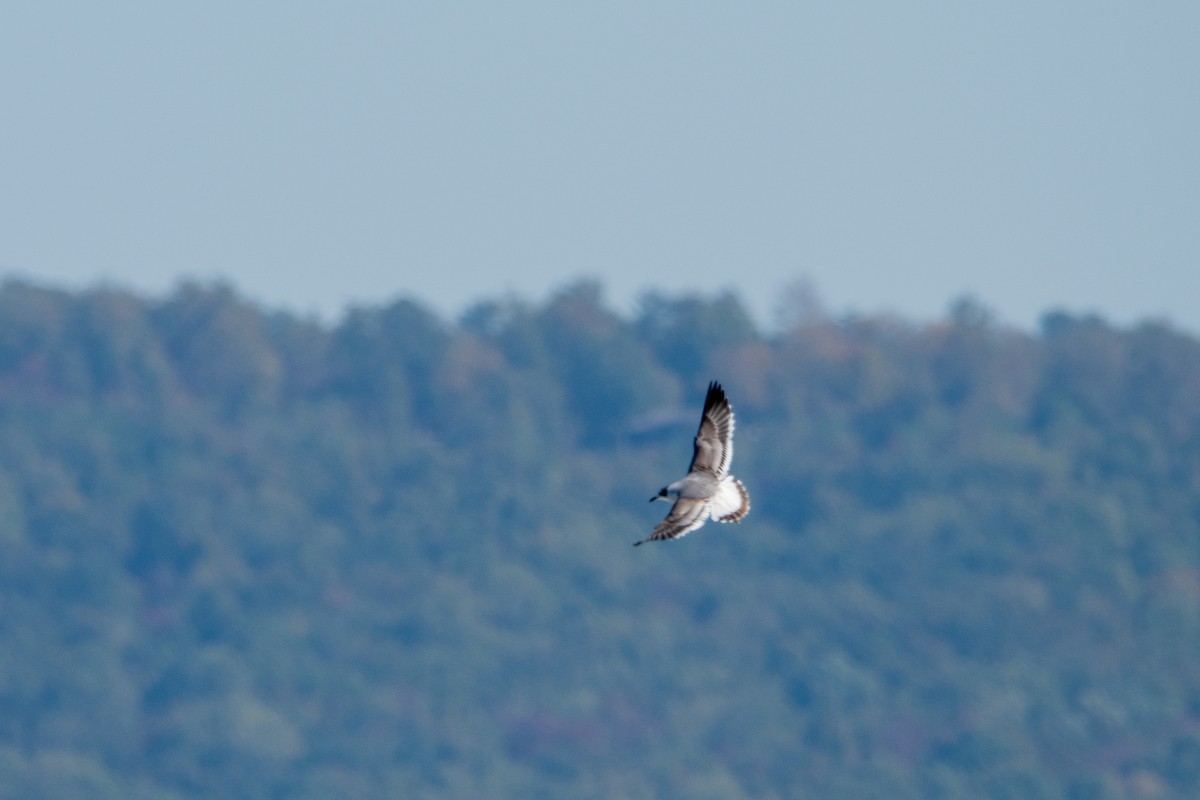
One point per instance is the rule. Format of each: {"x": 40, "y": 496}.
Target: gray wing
{"x": 685, "y": 516}
{"x": 714, "y": 440}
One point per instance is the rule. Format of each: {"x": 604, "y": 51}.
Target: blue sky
{"x": 894, "y": 155}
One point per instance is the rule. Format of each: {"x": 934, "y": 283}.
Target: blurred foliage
{"x": 249, "y": 555}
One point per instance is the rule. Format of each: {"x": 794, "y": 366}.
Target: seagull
{"x": 707, "y": 490}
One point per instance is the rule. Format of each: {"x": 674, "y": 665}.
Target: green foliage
{"x": 248, "y": 555}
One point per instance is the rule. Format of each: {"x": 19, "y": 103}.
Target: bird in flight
{"x": 708, "y": 490}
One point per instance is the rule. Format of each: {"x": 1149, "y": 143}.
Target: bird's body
{"x": 708, "y": 490}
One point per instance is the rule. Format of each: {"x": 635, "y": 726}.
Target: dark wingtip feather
{"x": 715, "y": 396}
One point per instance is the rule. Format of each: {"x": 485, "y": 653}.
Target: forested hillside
{"x": 247, "y": 555}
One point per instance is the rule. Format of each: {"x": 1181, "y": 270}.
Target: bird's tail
{"x": 731, "y": 502}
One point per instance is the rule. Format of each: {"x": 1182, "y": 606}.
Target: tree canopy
{"x": 248, "y": 554}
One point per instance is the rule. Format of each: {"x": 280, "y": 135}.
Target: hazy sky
{"x": 897, "y": 155}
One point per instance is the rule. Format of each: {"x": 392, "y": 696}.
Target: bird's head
{"x": 663, "y": 494}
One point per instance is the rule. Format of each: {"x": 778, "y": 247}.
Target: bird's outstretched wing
{"x": 686, "y": 515}
{"x": 714, "y": 440}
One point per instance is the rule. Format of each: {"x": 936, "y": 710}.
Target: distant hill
{"x": 249, "y": 555}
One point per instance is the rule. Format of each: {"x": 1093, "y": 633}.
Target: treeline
{"x": 247, "y": 554}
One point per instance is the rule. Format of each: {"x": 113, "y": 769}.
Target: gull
{"x": 707, "y": 490}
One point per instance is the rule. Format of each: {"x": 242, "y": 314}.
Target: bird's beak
{"x": 652, "y": 499}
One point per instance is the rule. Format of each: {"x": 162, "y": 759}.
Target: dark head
{"x": 662, "y": 495}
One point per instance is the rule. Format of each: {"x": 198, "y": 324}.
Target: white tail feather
{"x": 731, "y": 502}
